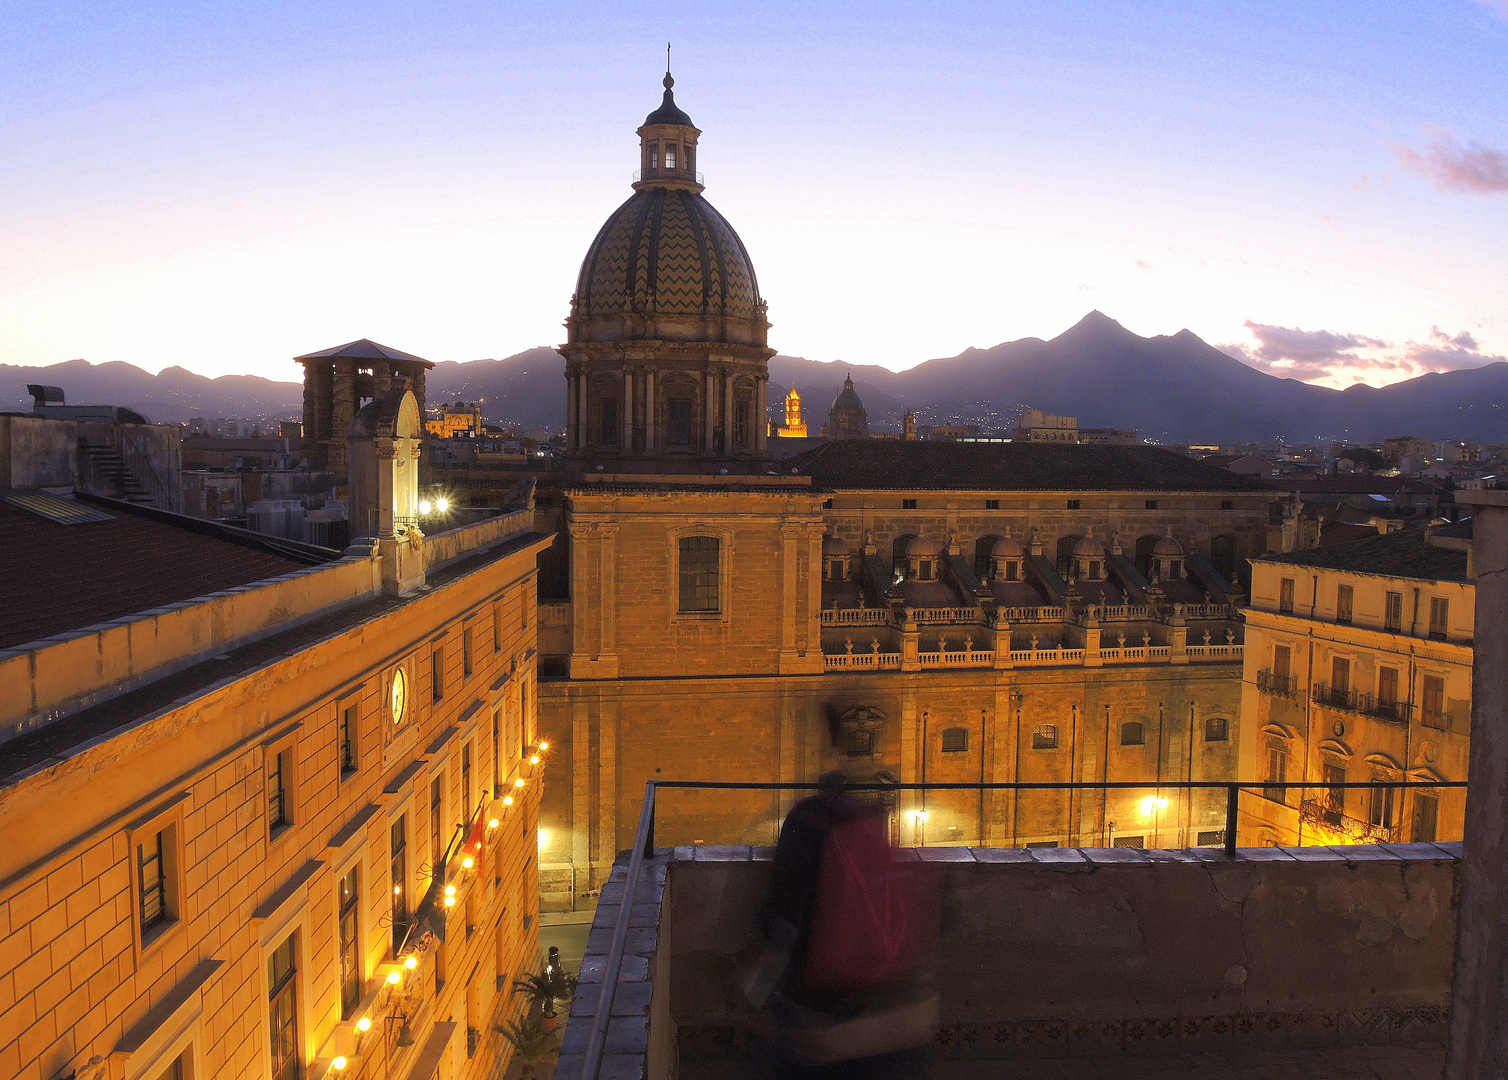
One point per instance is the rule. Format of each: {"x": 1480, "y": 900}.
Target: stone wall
{"x": 610, "y": 737}
{"x": 37, "y": 452}
{"x": 1048, "y": 949}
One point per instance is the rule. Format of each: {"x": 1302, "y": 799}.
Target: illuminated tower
{"x": 795, "y": 426}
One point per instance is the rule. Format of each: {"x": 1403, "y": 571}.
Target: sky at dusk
{"x": 1321, "y": 188}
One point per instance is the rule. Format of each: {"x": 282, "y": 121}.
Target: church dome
{"x": 667, "y": 252}
{"x": 1089, "y": 548}
{"x": 921, "y": 548}
{"x": 1168, "y": 546}
{"x": 1007, "y": 548}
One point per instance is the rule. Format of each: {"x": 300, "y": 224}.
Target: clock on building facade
{"x": 398, "y": 696}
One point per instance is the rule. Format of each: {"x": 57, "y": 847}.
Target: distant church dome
{"x": 1089, "y": 548}
{"x": 1168, "y": 546}
{"x": 922, "y": 548}
{"x": 666, "y": 251}
{"x": 847, "y": 419}
{"x": 666, "y": 351}
{"x": 1007, "y": 548}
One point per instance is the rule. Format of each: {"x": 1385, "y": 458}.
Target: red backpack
{"x": 872, "y": 920}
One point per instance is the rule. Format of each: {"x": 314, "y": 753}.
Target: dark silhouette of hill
{"x": 1170, "y": 388}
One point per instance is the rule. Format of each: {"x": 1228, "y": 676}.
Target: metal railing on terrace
{"x": 645, "y": 841}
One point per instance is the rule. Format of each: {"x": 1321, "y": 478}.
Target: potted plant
{"x": 530, "y": 1041}
{"x": 541, "y": 990}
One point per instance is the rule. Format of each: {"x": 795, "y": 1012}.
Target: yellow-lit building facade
{"x": 284, "y": 828}
{"x": 1358, "y": 667}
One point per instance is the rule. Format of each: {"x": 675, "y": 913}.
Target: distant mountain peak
{"x": 1096, "y": 323}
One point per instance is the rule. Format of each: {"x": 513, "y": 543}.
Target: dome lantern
{"x": 667, "y": 146}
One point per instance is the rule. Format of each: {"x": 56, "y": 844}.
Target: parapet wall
{"x": 441, "y": 548}
{"x": 50, "y": 678}
{"x": 1061, "y": 946}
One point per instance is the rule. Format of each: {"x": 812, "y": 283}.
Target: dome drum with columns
{"x": 666, "y": 350}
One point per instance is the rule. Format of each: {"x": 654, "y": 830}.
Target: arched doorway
{"x": 1144, "y": 546}
{"x": 1223, "y": 557}
{"x": 898, "y": 556}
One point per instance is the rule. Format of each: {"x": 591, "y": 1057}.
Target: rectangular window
{"x": 955, "y": 740}
{"x": 678, "y": 422}
{"x": 1380, "y": 804}
{"x": 437, "y": 673}
{"x": 282, "y": 1010}
{"x": 654, "y": 155}
{"x": 1387, "y": 685}
{"x": 350, "y": 953}
{"x": 1340, "y": 676}
{"x": 1227, "y": 504}
{"x": 699, "y": 573}
{"x": 1216, "y": 729}
{"x": 670, "y": 155}
{"x": 398, "y": 854}
{"x": 1426, "y": 817}
{"x": 1434, "y": 702}
{"x": 1129, "y": 841}
{"x": 466, "y": 640}
{"x": 348, "y": 740}
{"x": 1335, "y": 797}
{"x": 497, "y": 627}
{"x": 1045, "y": 737}
{"x": 908, "y": 504}
{"x": 1282, "y": 663}
{"x": 497, "y": 757}
{"x": 1151, "y": 504}
{"x": 277, "y": 792}
{"x": 1212, "y": 838}
{"x": 1439, "y": 617}
{"x": 1344, "y": 596}
{"x": 152, "y": 878}
{"x": 1392, "y": 612}
{"x": 1285, "y": 596}
{"x": 436, "y": 822}
{"x": 1277, "y": 771}
{"x": 992, "y": 504}
{"x": 609, "y": 433}
{"x": 860, "y": 743}
{"x": 173, "y": 1071}
{"x": 1073, "y": 504}
{"x": 465, "y": 781}
{"x": 741, "y": 423}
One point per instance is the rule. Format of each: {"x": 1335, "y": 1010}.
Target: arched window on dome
{"x": 670, "y": 149}
{"x": 654, "y": 155}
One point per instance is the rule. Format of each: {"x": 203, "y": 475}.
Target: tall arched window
{"x": 983, "y": 548}
{"x": 1066, "y": 545}
{"x": 898, "y": 556}
{"x": 1144, "y": 546}
{"x": 1223, "y": 557}
{"x": 699, "y": 558}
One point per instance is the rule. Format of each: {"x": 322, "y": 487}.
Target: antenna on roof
{"x": 667, "y": 58}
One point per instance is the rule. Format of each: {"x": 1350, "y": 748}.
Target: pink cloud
{"x": 1338, "y": 359}
{"x": 1453, "y": 166}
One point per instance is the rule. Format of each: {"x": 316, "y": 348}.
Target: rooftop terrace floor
{"x": 1413, "y": 1061}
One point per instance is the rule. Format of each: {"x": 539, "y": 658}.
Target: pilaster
{"x": 649, "y": 408}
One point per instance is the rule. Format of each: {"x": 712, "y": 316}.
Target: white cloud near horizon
{"x": 1336, "y": 359}
{"x": 1466, "y": 168}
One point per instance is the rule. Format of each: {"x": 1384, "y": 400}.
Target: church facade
{"x": 921, "y": 611}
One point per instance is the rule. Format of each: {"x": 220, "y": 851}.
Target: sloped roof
{"x": 364, "y": 349}
{"x": 896, "y": 464}
{"x": 1405, "y": 554}
{"x": 61, "y": 578}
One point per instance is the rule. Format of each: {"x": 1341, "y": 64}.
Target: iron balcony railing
{"x": 1395, "y": 712}
{"x": 1286, "y": 686}
{"x": 1335, "y": 697}
{"x": 644, "y": 848}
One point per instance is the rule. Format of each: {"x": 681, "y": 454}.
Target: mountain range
{"x": 1171, "y": 389}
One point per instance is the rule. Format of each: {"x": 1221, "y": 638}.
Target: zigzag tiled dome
{"x": 667, "y": 251}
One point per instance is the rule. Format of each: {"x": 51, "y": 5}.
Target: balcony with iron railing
{"x": 1118, "y": 960}
{"x": 1380, "y": 708}
{"x": 1283, "y": 686}
{"x": 1334, "y": 697}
